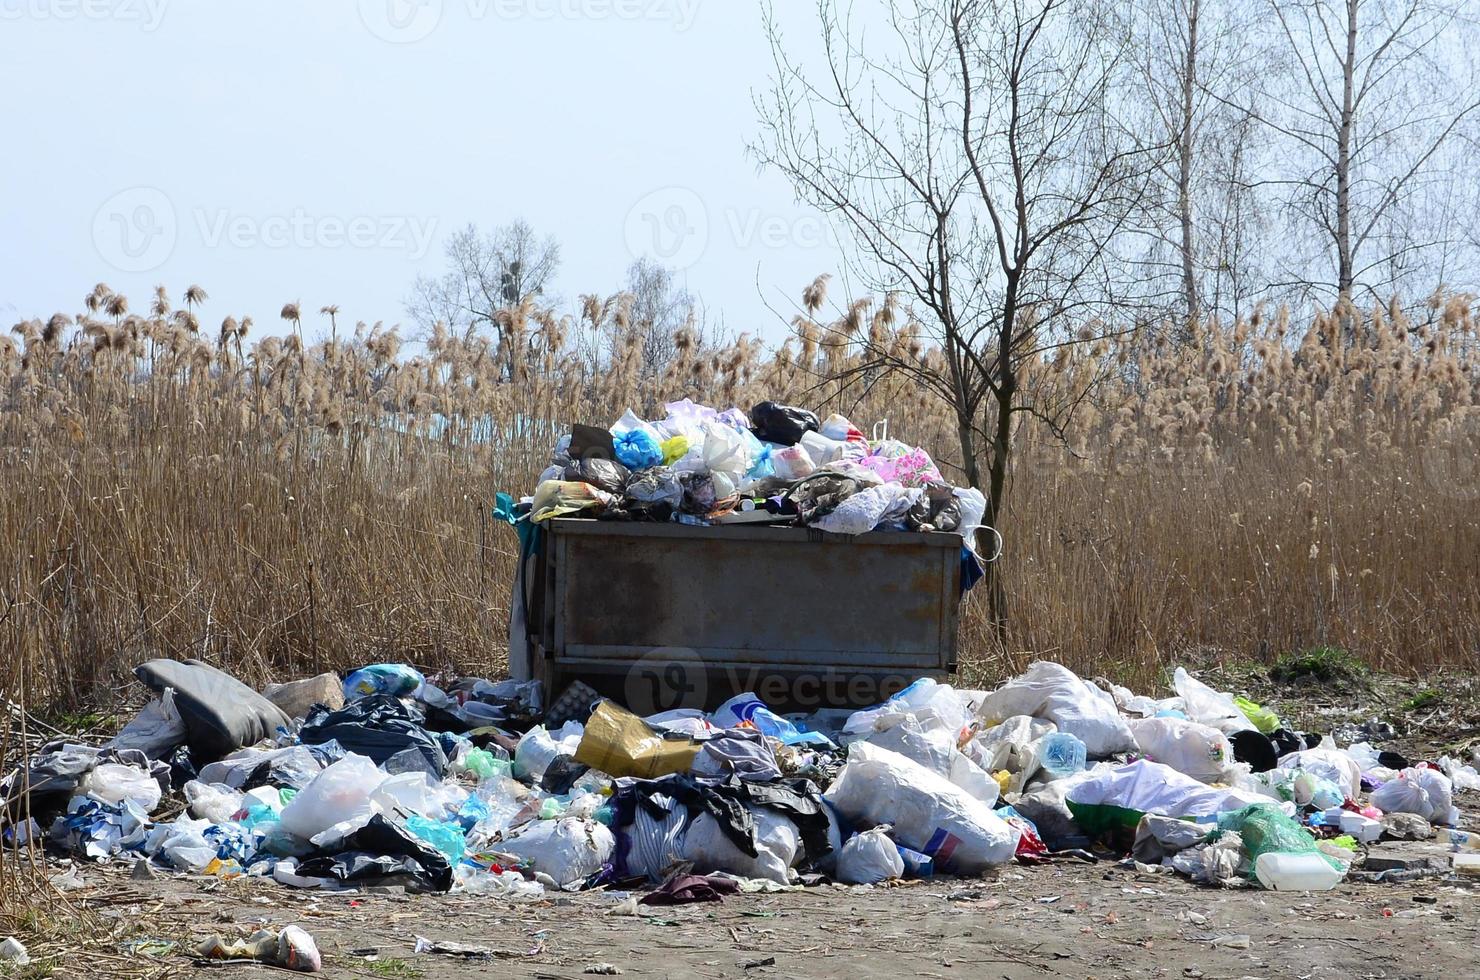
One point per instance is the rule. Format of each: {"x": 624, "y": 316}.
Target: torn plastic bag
{"x": 221, "y": 714}
{"x": 861, "y": 512}
{"x": 415, "y": 793}
{"x": 381, "y": 852}
{"x": 926, "y": 698}
{"x": 929, "y": 813}
{"x": 53, "y": 775}
{"x": 568, "y": 849}
{"x": 156, "y": 731}
{"x": 698, "y": 493}
{"x": 538, "y": 750}
{"x": 936, "y": 509}
{"x": 1200, "y": 751}
{"x": 212, "y": 801}
{"x": 340, "y": 793}
{"x": 777, "y": 844}
{"x": 654, "y": 494}
{"x": 382, "y": 728}
{"x": 559, "y": 498}
{"x": 112, "y": 782}
{"x": 1011, "y": 745}
{"x": 1208, "y": 706}
{"x": 1076, "y": 706}
{"x": 619, "y": 743}
{"x": 782, "y": 424}
{"x": 293, "y": 767}
{"x": 726, "y": 451}
{"x": 1160, "y": 837}
{"x": 99, "y": 830}
{"x": 869, "y": 858}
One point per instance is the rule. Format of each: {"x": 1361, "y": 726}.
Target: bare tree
{"x": 1373, "y": 96}
{"x": 486, "y": 273}
{"x": 977, "y": 158}
{"x": 660, "y": 308}
{"x": 1191, "y": 57}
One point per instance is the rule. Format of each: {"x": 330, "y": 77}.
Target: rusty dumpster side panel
{"x": 737, "y": 606}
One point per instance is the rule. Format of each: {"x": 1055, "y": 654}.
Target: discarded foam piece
{"x": 296, "y": 697}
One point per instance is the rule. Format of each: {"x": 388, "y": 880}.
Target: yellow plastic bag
{"x": 619, "y": 743}
{"x": 674, "y": 449}
{"x": 1260, "y": 717}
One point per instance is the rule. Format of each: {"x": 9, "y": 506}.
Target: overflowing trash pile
{"x": 388, "y": 778}
{"x": 775, "y": 464}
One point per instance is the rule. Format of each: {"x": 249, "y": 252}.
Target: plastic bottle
{"x": 1062, "y": 754}
{"x": 1458, "y": 840}
{"x": 1286, "y": 872}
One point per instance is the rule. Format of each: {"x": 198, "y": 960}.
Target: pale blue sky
{"x": 321, "y": 150}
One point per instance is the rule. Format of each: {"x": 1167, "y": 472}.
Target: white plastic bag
{"x": 569, "y": 850}
{"x": 1150, "y": 787}
{"x": 869, "y": 858}
{"x": 338, "y": 795}
{"x": 1198, "y": 750}
{"x": 1328, "y": 762}
{"x": 924, "y": 698}
{"x": 156, "y": 730}
{"x": 212, "y": 801}
{"x": 1208, "y": 706}
{"x": 537, "y": 749}
{"x": 414, "y": 792}
{"x": 822, "y": 449}
{"x": 861, "y": 512}
{"x": 113, "y": 782}
{"x": 182, "y": 844}
{"x": 928, "y": 812}
{"x": 936, "y": 750}
{"x": 630, "y": 422}
{"x": 725, "y": 451}
{"x": 1011, "y": 745}
{"x": 1421, "y": 789}
{"x": 792, "y": 462}
{"x": 776, "y": 842}
{"x": 1079, "y": 707}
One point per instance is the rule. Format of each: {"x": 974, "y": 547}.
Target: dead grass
{"x": 281, "y": 509}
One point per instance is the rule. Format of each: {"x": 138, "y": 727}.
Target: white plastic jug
{"x": 1287, "y": 872}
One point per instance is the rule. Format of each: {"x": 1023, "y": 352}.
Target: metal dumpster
{"x": 661, "y": 616}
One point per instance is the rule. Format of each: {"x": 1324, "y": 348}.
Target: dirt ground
{"x": 1066, "y": 919}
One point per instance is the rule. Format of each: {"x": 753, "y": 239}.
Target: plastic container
{"x": 1286, "y": 872}
{"x": 1364, "y": 830}
{"x": 1458, "y": 840}
{"x": 1467, "y": 864}
{"x": 1062, "y": 754}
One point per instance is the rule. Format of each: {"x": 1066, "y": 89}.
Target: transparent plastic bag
{"x": 113, "y": 782}
{"x": 340, "y": 794}
{"x": 212, "y": 802}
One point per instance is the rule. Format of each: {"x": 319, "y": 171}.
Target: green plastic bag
{"x": 1260, "y": 717}
{"x": 1266, "y": 830}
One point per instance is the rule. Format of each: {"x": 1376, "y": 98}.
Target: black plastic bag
{"x": 606, "y": 475}
{"x": 938, "y": 509}
{"x": 782, "y": 424}
{"x": 653, "y": 495}
{"x": 379, "y": 727}
{"x": 383, "y": 850}
{"x": 590, "y": 442}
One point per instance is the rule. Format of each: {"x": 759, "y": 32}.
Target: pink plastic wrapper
{"x": 914, "y": 469}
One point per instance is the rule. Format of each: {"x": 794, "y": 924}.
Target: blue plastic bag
{"x": 748, "y": 707}
{"x": 638, "y": 450}
{"x": 397, "y": 680}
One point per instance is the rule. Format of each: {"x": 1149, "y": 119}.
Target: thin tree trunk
{"x": 1345, "y": 263}
{"x": 1184, "y": 163}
